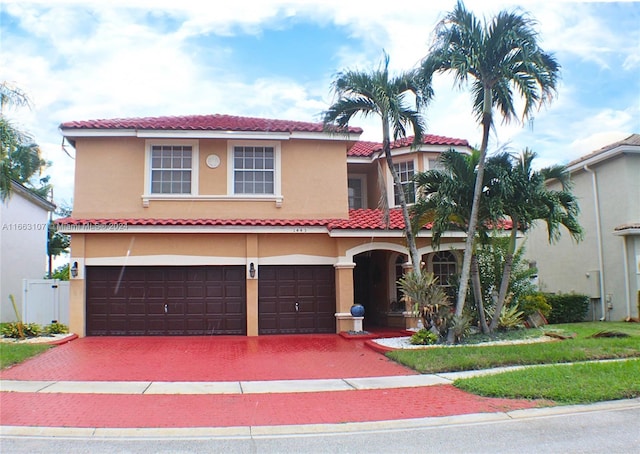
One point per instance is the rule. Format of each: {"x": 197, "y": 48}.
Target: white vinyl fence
{"x": 45, "y": 300}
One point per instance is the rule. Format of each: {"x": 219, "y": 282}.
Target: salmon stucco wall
{"x": 110, "y": 182}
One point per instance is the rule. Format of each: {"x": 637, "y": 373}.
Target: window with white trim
{"x": 254, "y": 169}
{"x": 405, "y": 172}
{"x": 171, "y": 169}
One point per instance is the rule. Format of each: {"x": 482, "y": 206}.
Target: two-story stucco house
{"x": 606, "y": 264}
{"x": 232, "y": 225}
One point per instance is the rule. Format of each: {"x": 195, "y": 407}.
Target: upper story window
{"x": 254, "y": 169}
{"x": 171, "y": 169}
{"x": 405, "y": 171}
{"x": 357, "y": 186}
{"x": 435, "y": 164}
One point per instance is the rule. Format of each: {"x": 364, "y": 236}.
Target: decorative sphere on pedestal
{"x": 357, "y": 310}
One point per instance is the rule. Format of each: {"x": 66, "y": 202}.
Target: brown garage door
{"x": 296, "y": 299}
{"x": 165, "y": 300}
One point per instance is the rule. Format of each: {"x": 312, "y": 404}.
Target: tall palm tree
{"x": 527, "y": 199}
{"x": 501, "y": 56}
{"x": 388, "y": 97}
{"x": 446, "y": 199}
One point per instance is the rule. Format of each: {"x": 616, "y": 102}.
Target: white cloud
{"x": 93, "y": 59}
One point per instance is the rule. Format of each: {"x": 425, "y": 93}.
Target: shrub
{"x": 510, "y": 318}
{"x": 32, "y": 329}
{"x": 12, "y": 330}
{"x": 567, "y": 308}
{"x": 56, "y": 328}
{"x": 530, "y": 304}
{"x": 423, "y": 337}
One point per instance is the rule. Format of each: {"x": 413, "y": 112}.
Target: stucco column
{"x": 410, "y": 320}
{"x": 77, "y": 306}
{"x": 252, "y": 284}
{"x": 344, "y": 295}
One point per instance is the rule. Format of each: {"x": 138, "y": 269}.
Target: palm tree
{"x": 20, "y": 156}
{"x": 528, "y": 199}
{"x": 379, "y": 94}
{"x": 446, "y": 199}
{"x": 500, "y": 56}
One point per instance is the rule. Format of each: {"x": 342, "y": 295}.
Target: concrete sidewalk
{"x": 246, "y": 387}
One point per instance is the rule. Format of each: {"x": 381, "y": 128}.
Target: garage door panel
{"x": 306, "y": 290}
{"x": 280, "y": 287}
{"x": 156, "y": 292}
{"x": 195, "y": 307}
{"x": 214, "y": 291}
{"x": 234, "y": 307}
{"x": 195, "y": 291}
{"x": 214, "y": 274}
{"x": 118, "y": 309}
{"x": 131, "y": 301}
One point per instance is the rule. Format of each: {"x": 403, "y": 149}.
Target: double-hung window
{"x": 254, "y": 169}
{"x": 405, "y": 172}
{"x": 171, "y": 169}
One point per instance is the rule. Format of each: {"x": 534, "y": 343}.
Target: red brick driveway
{"x": 215, "y": 358}
{"x": 183, "y": 359}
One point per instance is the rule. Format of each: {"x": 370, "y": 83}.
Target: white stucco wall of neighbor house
{"x": 23, "y": 245}
{"x": 596, "y": 266}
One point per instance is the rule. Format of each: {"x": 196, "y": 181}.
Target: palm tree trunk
{"x": 477, "y": 293}
{"x": 473, "y": 221}
{"x": 506, "y": 275}
{"x": 411, "y": 242}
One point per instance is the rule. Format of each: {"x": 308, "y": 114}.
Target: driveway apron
{"x": 215, "y": 358}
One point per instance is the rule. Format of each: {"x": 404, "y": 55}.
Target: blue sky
{"x": 82, "y": 60}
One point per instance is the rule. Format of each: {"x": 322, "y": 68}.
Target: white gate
{"x": 45, "y": 300}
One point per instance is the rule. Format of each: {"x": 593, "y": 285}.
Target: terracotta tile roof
{"x": 367, "y": 219}
{"x": 358, "y": 220}
{"x": 364, "y": 148}
{"x": 202, "y": 123}
{"x": 362, "y": 219}
{"x": 193, "y": 222}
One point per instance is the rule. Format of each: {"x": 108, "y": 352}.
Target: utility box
{"x": 594, "y": 284}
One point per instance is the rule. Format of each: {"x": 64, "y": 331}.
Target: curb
{"x": 64, "y": 340}
{"x": 376, "y": 347}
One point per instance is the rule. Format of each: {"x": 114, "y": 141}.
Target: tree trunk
{"x": 473, "y": 221}
{"x": 506, "y": 275}
{"x": 477, "y": 293}
{"x": 411, "y": 242}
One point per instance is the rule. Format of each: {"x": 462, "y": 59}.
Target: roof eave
{"x": 608, "y": 154}
{"x": 74, "y": 133}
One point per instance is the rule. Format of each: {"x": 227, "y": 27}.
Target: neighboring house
{"x": 606, "y": 264}
{"x": 24, "y": 218}
{"x": 231, "y": 225}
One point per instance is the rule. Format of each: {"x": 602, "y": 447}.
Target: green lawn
{"x": 579, "y": 383}
{"x": 15, "y": 353}
{"x": 567, "y": 384}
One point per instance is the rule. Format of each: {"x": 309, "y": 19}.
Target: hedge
{"x": 567, "y": 307}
